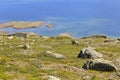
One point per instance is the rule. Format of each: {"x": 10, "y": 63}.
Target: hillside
{"x": 28, "y": 58}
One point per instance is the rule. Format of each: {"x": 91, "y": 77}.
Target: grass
{"x": 15, "y": 64}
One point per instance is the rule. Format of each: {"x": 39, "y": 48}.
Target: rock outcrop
{"x": 89, "y": 52}
{"x": 75, "y": 42}
{"x": 66, "y": 35}
{"x": 100, "y": 65}
{"x": 55, "y": 55}
{"x": 23, "y": 34}
{"x": 95, "y": 36}
{"x": 25, "y": 46}
{"x": 111, "y": 41}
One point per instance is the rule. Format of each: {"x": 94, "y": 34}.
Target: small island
{"x": 23, "y": 25}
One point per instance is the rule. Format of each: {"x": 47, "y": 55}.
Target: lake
{"x": 77, "y": 17}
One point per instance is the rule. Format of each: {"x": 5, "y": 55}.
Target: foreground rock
{"x": 100, "y": 65}
{"x": 55, "y": 55}
{"x": 89, "y": 52}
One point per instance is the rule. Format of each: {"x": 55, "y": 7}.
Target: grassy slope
{"x": 15, "y": 64}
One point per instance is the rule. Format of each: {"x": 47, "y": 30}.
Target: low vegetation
{"x": 32, "y": 62}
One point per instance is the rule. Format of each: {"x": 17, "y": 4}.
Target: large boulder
{"x": 100, "y": 65}
{"x": 55, "y": 55}
{"x": 89, "y": 52}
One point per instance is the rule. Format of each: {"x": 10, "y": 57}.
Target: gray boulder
{"x": 55, "y": 55}
{"x": 89, "y": 52}
{"x": 100, "y": 65}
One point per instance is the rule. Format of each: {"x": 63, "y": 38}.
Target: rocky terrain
{"x": 28, "y": 56}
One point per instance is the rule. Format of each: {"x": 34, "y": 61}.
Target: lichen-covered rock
{"x": 55, "y": 55}
{"x": 100, "y": 65}
{"x": 89, "y": 52}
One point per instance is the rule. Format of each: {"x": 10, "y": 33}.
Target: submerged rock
{"x": 100, "y": 65}
{"x": 89, "y": 52}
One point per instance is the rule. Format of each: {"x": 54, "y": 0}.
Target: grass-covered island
{"x": 28, "y": 56}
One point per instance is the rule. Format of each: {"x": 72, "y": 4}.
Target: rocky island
{"x": 23, "y": 25}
